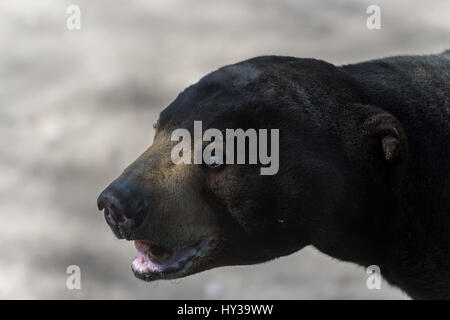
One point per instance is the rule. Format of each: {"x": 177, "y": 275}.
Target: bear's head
{"x": 339, "y": 162}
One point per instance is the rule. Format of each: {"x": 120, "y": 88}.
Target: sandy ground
{"x": 77, "y": 106}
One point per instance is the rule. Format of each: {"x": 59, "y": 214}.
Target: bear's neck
{"x": 418, "y": 258}
{"x": 409, "y": 242}
{"x": 411, "y": 245}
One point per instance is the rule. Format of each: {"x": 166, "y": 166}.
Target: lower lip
{"x": 145, "y": 267}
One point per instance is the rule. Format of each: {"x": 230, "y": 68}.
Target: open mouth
{"x": 154, "y": 262}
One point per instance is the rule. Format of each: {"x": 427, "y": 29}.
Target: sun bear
{"x": 363, "y": 173}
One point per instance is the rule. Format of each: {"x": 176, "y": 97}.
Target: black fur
{"x": 416, "y": 90}
{"x": 364, "y": 167}
{"x": 395, "y": 215}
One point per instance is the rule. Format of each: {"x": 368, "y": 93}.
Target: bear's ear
{"x": 386, "y": 134}
{"x": 390, "y": 147}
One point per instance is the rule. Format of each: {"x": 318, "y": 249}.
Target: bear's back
{"x": 416, "y": 89}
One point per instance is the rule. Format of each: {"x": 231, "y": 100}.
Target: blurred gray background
{"x": 77, "y": 106}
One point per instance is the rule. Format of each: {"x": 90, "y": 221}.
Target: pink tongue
{"x": 142, "y": 263}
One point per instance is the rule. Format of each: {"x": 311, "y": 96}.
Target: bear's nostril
{"x": 124, "y": 208}
{"x": 116, "y": 214}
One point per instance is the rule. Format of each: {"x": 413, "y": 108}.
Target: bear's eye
{"x": 214, "y": 162}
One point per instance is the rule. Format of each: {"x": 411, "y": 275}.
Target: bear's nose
{"x": 124, "y": 209}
